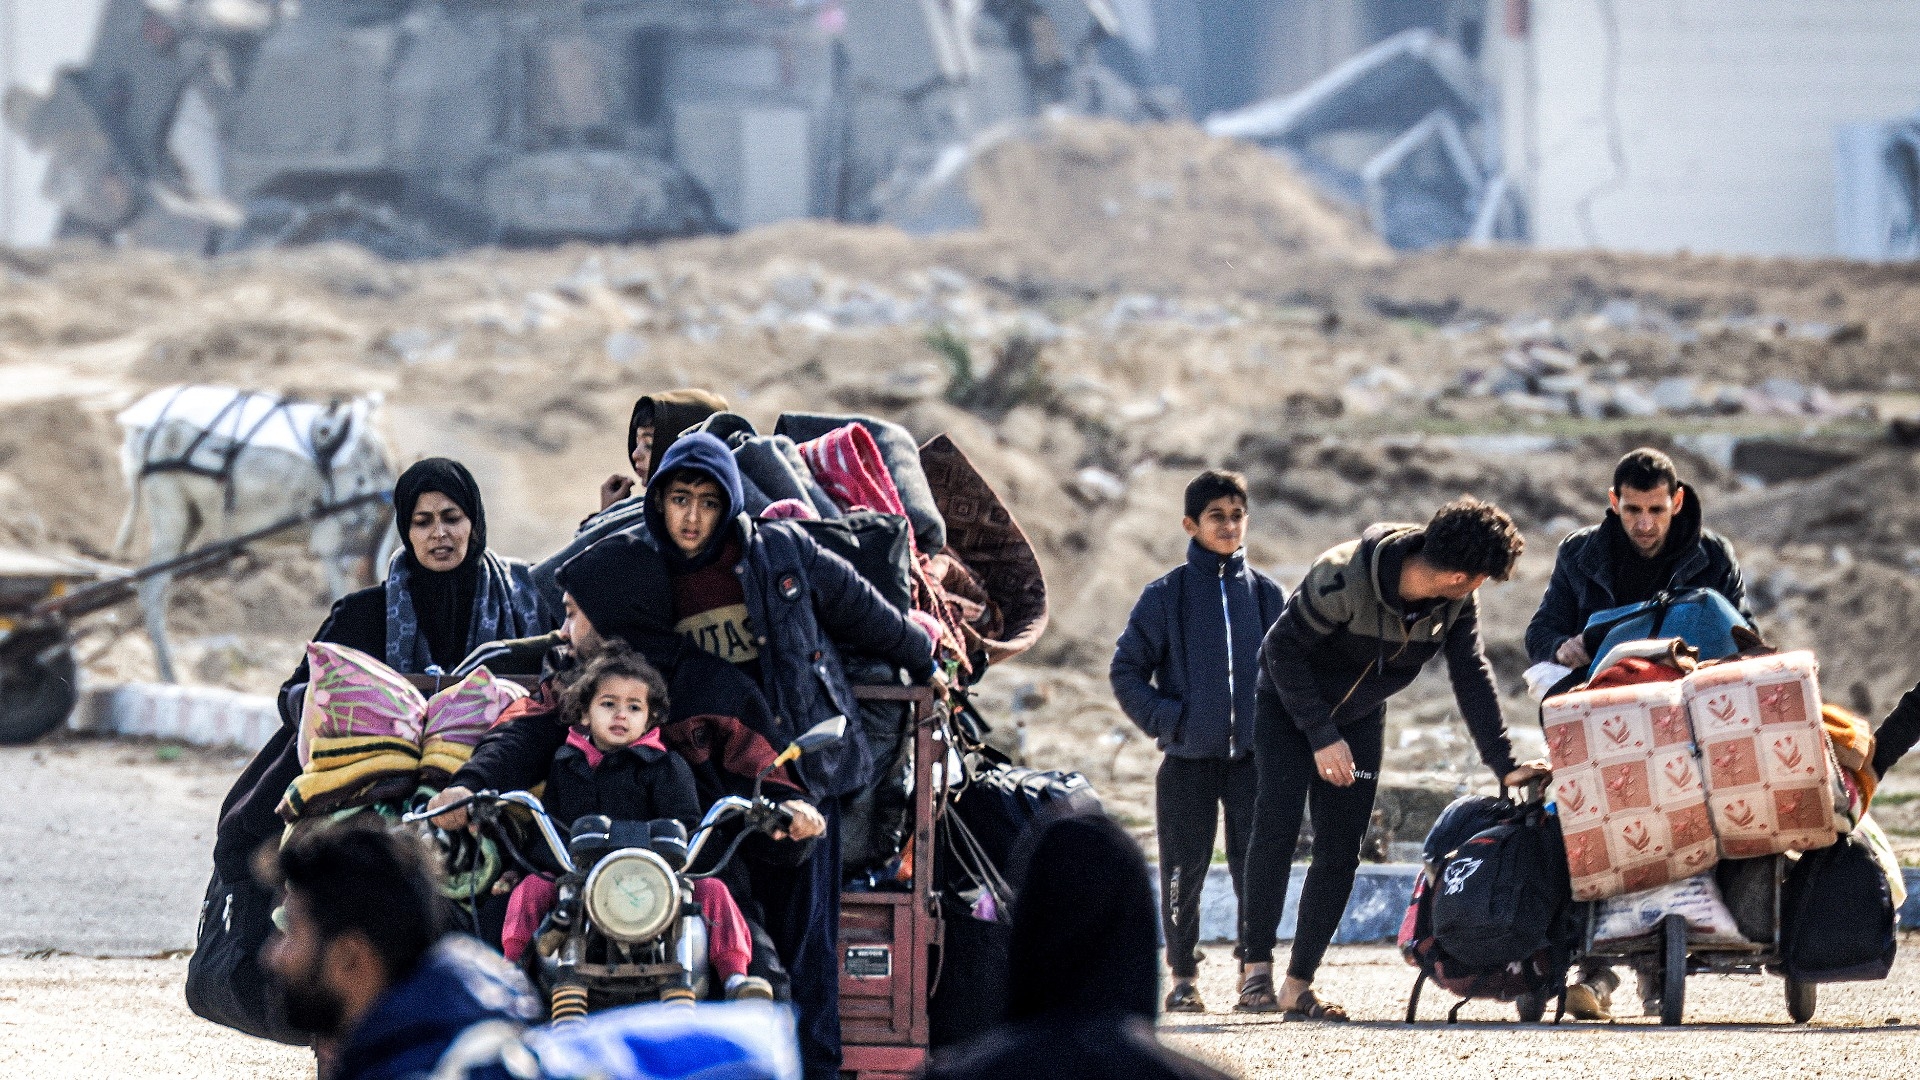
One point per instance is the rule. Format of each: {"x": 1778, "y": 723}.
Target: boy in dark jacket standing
{"x": 1368, "y": 616}
{"x": 1184, "y": 672}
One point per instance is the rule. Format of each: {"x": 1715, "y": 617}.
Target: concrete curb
{"x": 196, "y": 715}
{"x": 1381, "y": 893}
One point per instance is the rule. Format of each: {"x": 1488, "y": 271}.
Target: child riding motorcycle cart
{"x": 626, "y": 926}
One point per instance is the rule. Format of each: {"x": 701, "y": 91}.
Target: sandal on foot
{"x": 1185, "y": 998}
{"x": 1256, "y": 996}
{"x": 1308, "y": 1006}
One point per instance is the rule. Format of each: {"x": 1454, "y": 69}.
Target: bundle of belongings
{"x": 368, "y": 737}
{"x": 369, "y": 742}
{"x": 1679, "y": 781}
{"x": 921, "y": 525}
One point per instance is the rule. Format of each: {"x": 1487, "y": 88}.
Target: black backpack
{"x": 1837, "y": 916}
{"x": 1462, "y": 820}
{"x": 1500, "y": 897}
{"x": 225, "y": 983}
{"x": 879, "y": 546}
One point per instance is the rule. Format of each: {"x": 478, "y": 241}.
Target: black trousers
{"x": 803, "y": 917}
{"x": 1188, "y": 796}
{"x": 1290, "y": 782}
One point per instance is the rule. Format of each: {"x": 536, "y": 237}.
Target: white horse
{"x": 208, "y": 463}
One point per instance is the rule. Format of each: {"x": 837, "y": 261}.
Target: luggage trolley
{"x": 889, "y": 940}
{"x": 1677, "y": 957}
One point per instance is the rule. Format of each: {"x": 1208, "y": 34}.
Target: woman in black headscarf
{"x": 444, "y": 595}
{"x": 1083, "y": 970}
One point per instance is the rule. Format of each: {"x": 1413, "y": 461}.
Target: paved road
{"x": 104, "y": 847}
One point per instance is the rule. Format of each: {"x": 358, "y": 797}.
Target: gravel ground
{"x": 125, "y": 1019}
{"x": 106, "y": 857}
{"x": 1736, "y": 1027}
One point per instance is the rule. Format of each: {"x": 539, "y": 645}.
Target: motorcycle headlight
{"x": 631, "y": 895}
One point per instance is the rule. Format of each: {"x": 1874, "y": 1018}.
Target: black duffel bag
{"x": 1836, "y": 916}
{"x": 225, "y": 983}
{"x": 977, "y": 839}
{"x": 878, "y": 545}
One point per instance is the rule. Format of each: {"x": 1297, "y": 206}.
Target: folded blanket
{"x": 365, "y": 731}
{"x": 902, "y": 457}
{"x": 456, "y": 719}
{"x": 847, "y": 463}
{"x": 982, "y": 533}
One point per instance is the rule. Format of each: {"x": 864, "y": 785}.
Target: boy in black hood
{"x": 763, "y": 596}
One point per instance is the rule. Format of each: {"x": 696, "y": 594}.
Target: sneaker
{"x": 1588, "y": 1002}
{"x": 1185, "y": 998}
{"x": 749, "y": 988}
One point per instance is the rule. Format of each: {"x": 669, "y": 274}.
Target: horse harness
{"x": 230, "y": 446}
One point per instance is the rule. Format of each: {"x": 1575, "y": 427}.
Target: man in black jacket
{"x": 1367, "y": 617}
{"x": 1651, "y": 542}
{"x": 1183, "y": 671}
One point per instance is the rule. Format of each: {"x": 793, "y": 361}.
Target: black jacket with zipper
{"x": 1585, "y": 573}
{"x": 1185, "y": 668}
{"x": 1347, "y": 642}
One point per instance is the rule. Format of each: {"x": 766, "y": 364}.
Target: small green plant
{"x": 168, "y": 754}
{"x": 959, "y": 357}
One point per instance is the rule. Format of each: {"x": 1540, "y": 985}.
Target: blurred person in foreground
{"x": 362, "y": 960}
{"x": 1083, "y": 970}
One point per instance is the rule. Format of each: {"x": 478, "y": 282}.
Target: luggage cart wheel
{"x": 1802, "y": 999}
{"x": 1673, "y": 989}
{"x": 1531, "y": 1007}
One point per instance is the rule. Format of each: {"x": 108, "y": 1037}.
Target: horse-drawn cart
{"x": 42, "y": 597}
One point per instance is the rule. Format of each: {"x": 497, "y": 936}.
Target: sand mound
{"x": 1104, "y": 202}
{"x": 1870, "y": 508}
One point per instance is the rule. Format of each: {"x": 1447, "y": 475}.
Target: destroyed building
{"x": 415, "y": 126}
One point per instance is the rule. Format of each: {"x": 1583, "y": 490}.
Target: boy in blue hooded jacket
{"x": 1184, "y": 671}
{"x": 765, "y": 597}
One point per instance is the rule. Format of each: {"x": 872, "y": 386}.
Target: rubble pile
{"x": 1138, "y": 304}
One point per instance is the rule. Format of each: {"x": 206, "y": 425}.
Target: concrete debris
{"x": 1392, "y": 130}
{"x": 1096, "y": 486}
{"x": 414, "y": 130}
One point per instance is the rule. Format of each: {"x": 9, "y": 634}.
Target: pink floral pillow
{"x": 456, "y": 718}
{"x": 351, "y": 695}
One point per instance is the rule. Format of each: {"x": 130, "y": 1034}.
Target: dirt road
{"x": 74, "y": 1017}
{"x": 1736, "y": 1027}
{"x": 106, "y": 849}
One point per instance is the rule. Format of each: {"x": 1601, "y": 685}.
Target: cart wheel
{"x": 35, "y": 696}
{"x": 1531, "y": 1007}
{"x": 1802, "y": 999}
{"x": 1673, "y": 990}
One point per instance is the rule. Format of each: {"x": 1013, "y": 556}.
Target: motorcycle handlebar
{"x": 544, "y": 821}
{"x": 760, "y": 812}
